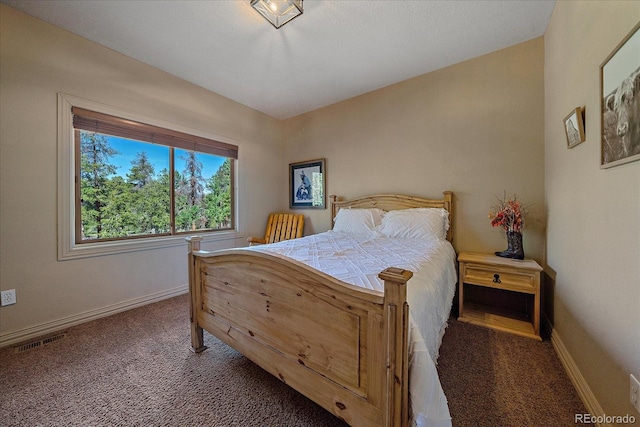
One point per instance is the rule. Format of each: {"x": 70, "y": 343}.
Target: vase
{"x": 514, "y": 246}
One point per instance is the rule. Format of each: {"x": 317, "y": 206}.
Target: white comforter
{"x": 358, "y": 259}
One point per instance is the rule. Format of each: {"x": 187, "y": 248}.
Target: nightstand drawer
{"x": 501, "y": 278}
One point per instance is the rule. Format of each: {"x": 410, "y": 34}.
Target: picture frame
{"x": 307, "y": 185}
{"x": 574, "y": 127}
{"x": 620, "y": 102}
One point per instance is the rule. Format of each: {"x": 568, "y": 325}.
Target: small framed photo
{"x": 307, "y": 183}
{"x": 574, "y": 127}
{"x": 620, "y": 106}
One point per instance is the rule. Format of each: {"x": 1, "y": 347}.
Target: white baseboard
{"x": 60, "y": 324}
{"x": 584, "y": 391}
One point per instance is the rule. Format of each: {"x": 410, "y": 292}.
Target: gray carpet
{"x": 135, "y": 369}
{"x": 495, "y": 379}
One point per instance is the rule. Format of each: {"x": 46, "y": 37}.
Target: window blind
{"x": 93, "y": 121}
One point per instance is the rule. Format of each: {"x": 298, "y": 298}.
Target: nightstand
{"x": 505, "y": 277}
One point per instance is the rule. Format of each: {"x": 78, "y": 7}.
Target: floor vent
{"x": 21, "y": 348}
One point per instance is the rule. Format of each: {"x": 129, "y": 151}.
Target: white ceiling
{"x": 336, "y": 50}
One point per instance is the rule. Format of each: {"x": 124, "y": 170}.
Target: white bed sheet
{"x": 358, "y": 259}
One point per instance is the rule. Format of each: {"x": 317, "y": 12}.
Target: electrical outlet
{"x": 8, "y": 297}
{"x": 634, "y": 392}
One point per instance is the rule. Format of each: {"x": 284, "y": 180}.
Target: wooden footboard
{"x": 342, "y": 346}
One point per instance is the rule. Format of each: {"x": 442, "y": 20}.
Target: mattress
{"x": 358, "y": 259}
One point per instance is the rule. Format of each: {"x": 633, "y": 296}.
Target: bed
{"x": 350, "y": 347}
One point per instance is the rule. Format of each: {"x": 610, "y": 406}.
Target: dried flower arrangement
{"x": 508, "y": 213}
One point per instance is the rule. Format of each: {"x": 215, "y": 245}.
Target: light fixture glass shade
{"x": 278, "y": 12}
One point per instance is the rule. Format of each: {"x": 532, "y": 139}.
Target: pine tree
{"x": 141, "y": 172}
{"x": 218, "y": 200}
{"x": 95, "y": 170}
{"x": 189, "y": 195}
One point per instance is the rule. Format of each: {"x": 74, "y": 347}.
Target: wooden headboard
{"x": 389, "y": 202}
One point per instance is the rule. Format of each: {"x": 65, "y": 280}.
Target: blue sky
{"x": 158, "y": 155}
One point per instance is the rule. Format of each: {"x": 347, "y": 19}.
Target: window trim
{"x": 67, "y": 246}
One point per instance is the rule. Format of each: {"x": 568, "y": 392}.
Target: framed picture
{"x": 620, "y": 107}
{"x": 307, "y": 184}
{"x": 574, "y": 127}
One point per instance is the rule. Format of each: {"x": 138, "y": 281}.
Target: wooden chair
{"x": 280, "y": 227}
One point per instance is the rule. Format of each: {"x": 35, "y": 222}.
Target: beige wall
{"x": 476, "y": 128}
{"x": 37, "y": 61}
{"x": 593, "y": 235}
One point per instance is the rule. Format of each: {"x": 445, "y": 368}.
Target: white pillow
{"x": 358, "y": 221}
{"x": 418, "y": 223}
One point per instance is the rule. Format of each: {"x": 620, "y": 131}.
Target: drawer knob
{"x": 496, "y": 278}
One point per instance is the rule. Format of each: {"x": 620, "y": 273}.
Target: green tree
{"x": 95, "y": 170}
{"x": 189, "y": 195}
{"x": 141, "y": 172}
{"x": 153, "y": 206}
{"x": 119, "y": 214}
{"x": 149, "y": 202}
{"x": 218, "y": 199}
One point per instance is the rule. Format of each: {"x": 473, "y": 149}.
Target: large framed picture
{"x": 574, "y": 127}
{"x": 620, "y": 91}
{"x": 307, "y": 182}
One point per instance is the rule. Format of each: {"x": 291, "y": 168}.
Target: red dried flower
{"x": 508, "y": 214}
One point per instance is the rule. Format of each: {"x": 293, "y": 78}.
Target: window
{"x": 133, "y": 182}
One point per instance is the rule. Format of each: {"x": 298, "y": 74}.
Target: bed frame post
{"x": 448, "y": 205}
{"x": 333, "y": 199}
{"x": 197, "y": 338}
{"x": 396, "y": 412}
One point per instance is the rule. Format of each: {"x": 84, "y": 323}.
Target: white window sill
{"x": 86, "y": 250}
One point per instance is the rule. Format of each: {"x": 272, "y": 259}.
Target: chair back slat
{"x": 299, "y": 226}
{"x": 276, "y": 234}
{"x": 287, "y": 230}
{"x": 270, "y": 227}
{"x": 274, "y": 225}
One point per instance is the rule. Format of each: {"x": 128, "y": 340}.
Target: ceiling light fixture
{"x": 278, "y": 12}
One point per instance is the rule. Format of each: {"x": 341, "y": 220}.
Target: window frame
{"x": 67, "y": 157}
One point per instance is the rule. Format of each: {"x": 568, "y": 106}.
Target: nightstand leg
{"x": 536, "y": 310}
{"x": 461, "y": 292}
